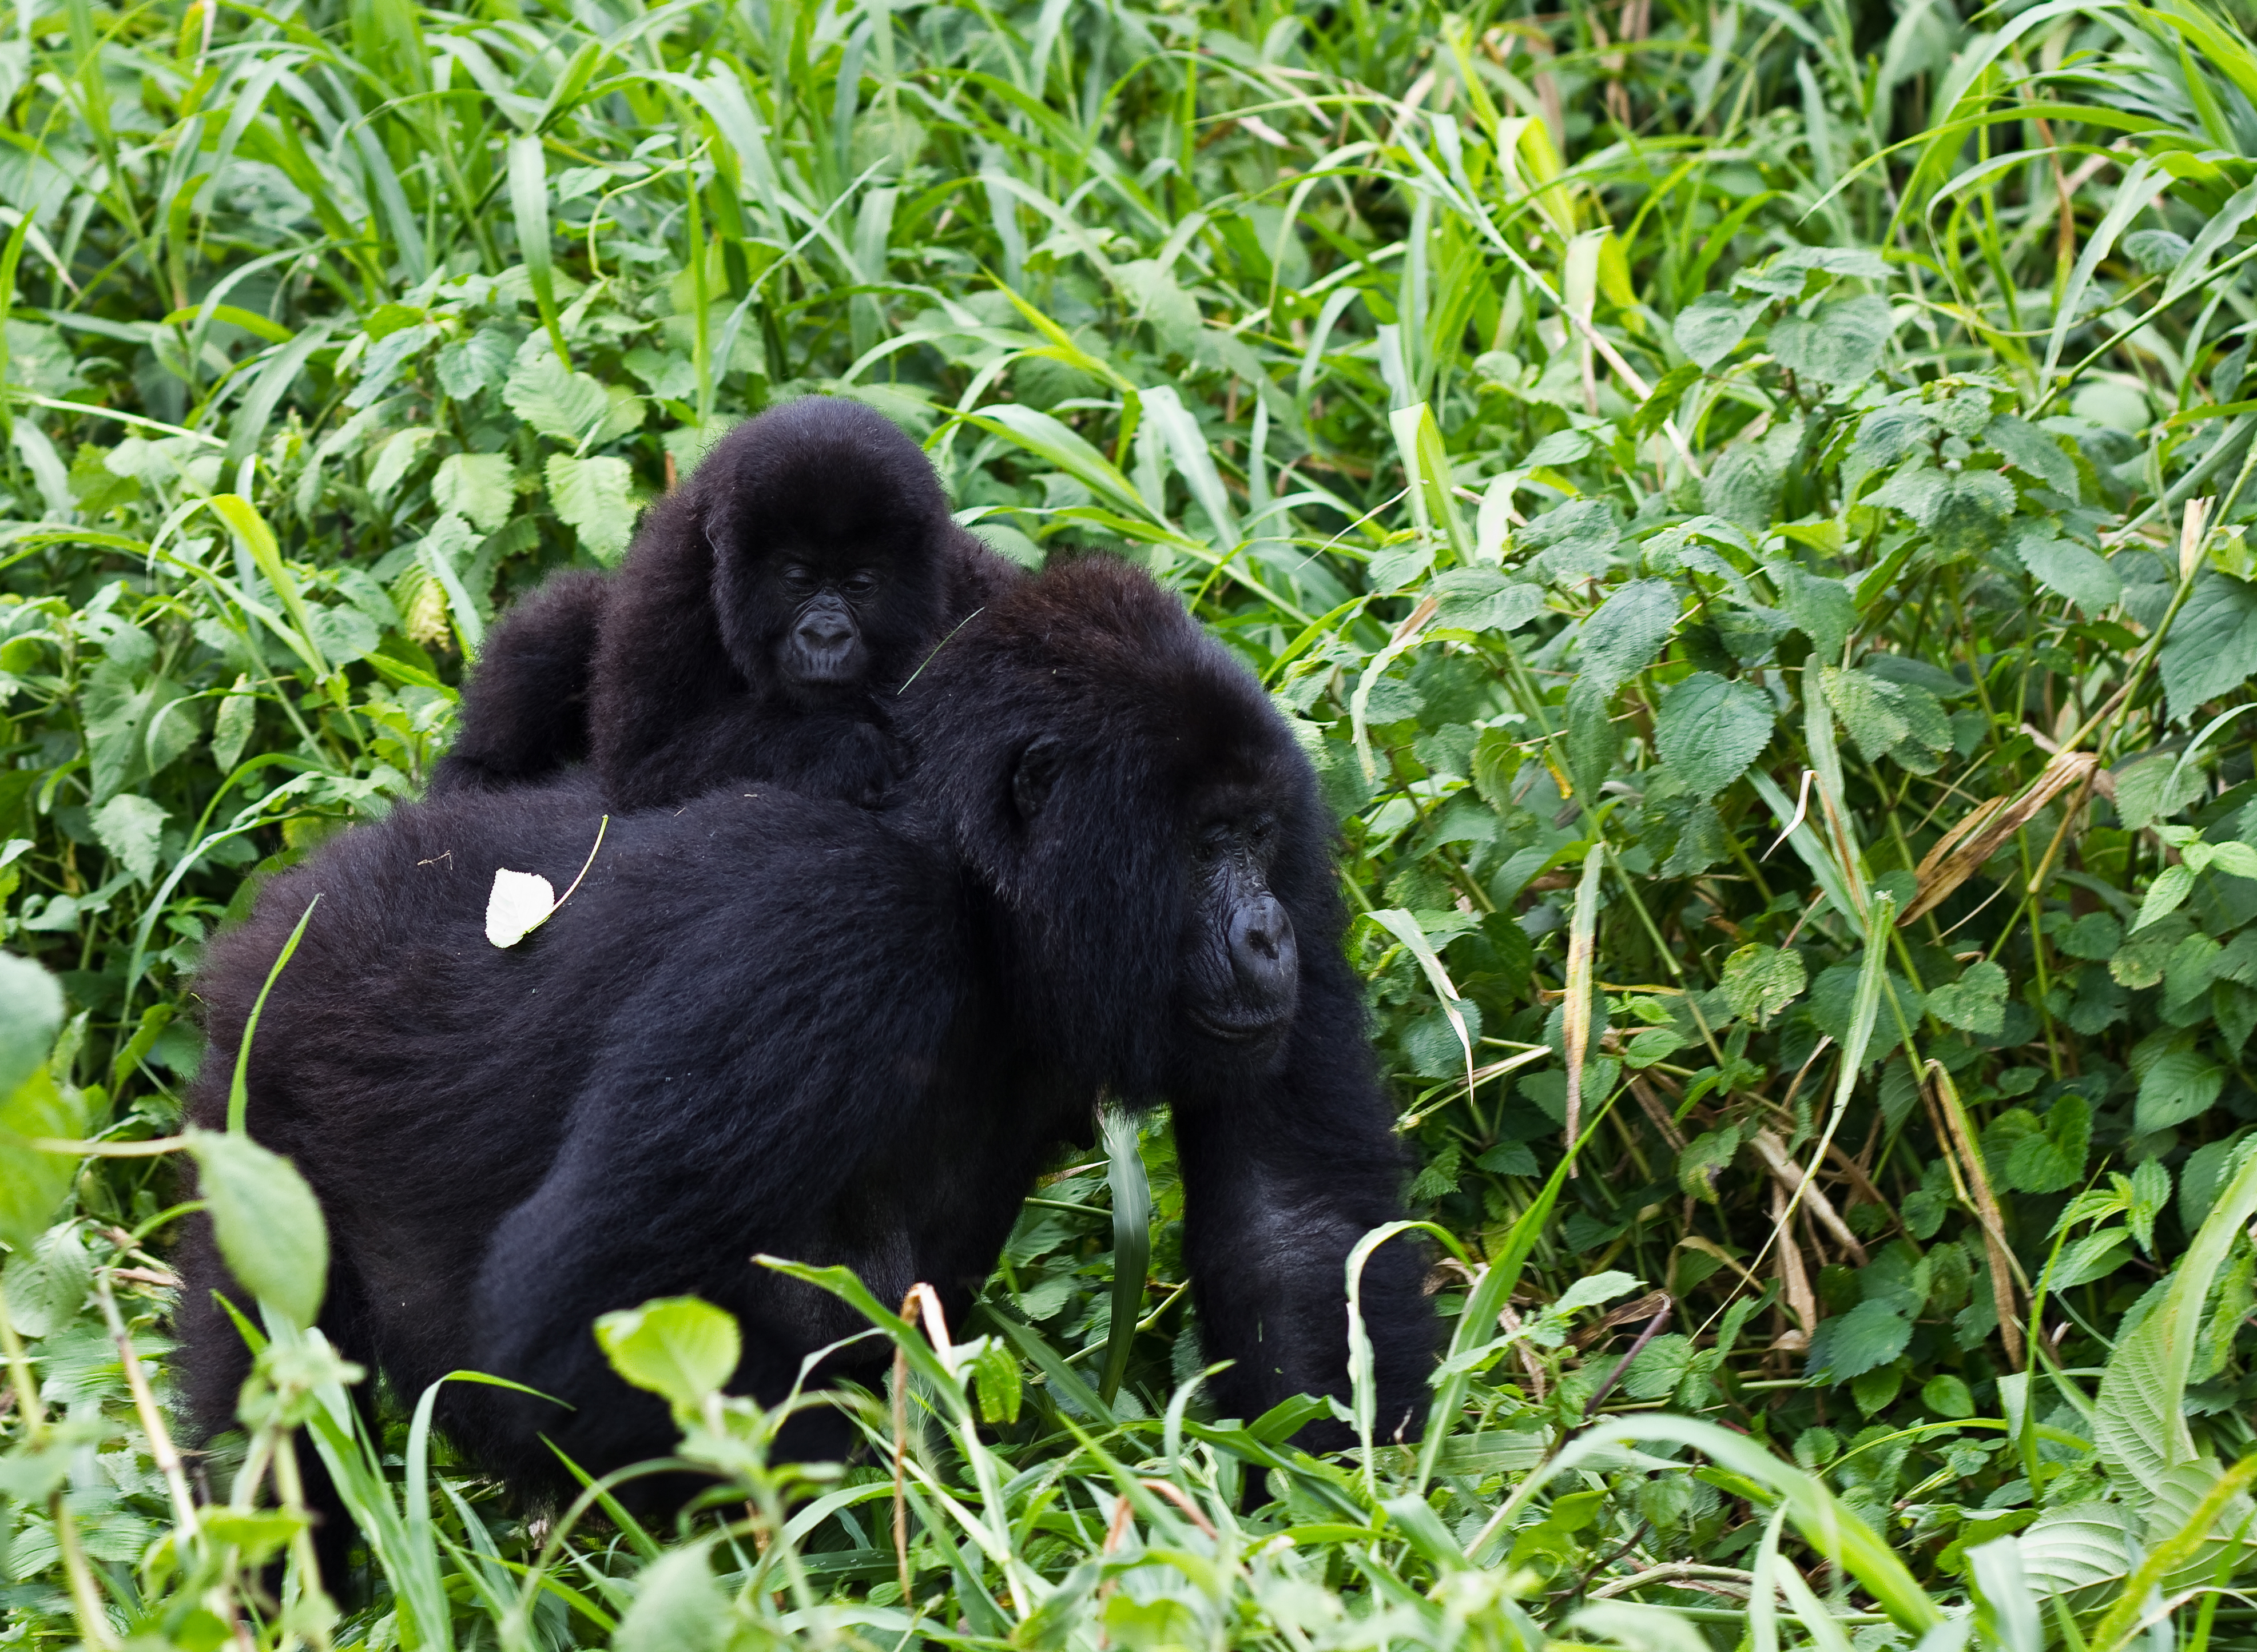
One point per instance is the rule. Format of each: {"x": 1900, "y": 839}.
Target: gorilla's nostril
{"x": 825, "y": 632}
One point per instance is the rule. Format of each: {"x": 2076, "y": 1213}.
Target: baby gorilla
{"x": 766, "y": 611}
{"x": 779, "y": 1024}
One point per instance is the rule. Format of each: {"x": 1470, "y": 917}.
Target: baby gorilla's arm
{"x": 524, "y": 710}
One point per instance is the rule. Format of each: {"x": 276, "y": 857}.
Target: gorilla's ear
{"x": 1037, "y": 771}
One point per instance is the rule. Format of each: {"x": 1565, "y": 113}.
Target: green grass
{"x": 1615, "y": 435}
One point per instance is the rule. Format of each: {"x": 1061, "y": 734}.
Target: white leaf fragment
{"x": 522, "y": 901}
{"x": 519, "y": 904}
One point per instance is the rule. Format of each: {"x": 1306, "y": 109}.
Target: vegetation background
{"x": 1746, "y": 504}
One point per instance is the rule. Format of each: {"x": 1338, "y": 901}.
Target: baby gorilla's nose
{"x": 1263, "y": 955}
{"x": 825, "y": 632}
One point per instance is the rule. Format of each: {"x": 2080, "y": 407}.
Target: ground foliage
{"x": 1745, "y": 506}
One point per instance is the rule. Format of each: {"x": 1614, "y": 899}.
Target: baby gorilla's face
{"x": 837, "y": 611}
{"x": 823, "y": 604}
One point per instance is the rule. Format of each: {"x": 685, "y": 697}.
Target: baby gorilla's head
{"x": 828, "y": 528}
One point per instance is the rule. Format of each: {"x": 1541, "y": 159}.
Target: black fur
{"x": 676, "y": 674}
{"x": 699, "y": 678}
{"x": 525, "y": 708}
{"x": 783, "y": 1024}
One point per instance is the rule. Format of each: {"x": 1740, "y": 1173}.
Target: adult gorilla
{"x": 769, "y": 612}
{"x": 777, "y": 1024}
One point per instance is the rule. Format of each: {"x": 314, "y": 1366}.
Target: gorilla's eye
{"x": 861, "y": 582}
{"x": 796, "y": 580}
{"x": 1215, "y": 842}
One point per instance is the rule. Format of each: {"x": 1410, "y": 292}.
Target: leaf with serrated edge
{"x": 2139, "y": 1421}
{"x": 1709, "y": 730}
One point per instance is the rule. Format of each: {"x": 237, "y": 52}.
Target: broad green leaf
{"x": 477, "y": 363}
{"x": 1947, "y": 1396}
{"x": 596, "y": 498}
{"x": 1964, "y": 513}
{"x": 678, "y": 1606}
{"x": 1577, "y": 541}
{"x": 1595, "y": 1289}
{"x": 555, "y": 400}
{"x": 2035, "y": 453}
{"x": 32, "y": 1182}
{"x": 1841, "y": 345}
{"x": 1702, "y": 1161}
{"x": 31, "y": 1011}
{"x": 394, "y": 459}
{"x": 995, "y": 1381}
{"x": 2094, "y": 1256}
{"x": 2156, "y": 788}
{"x": 1761, "y": 981}
{"x": 2069, "y": 569}
{"x": 477, "y": 486}
{"x": 2168, "y": 892}
{"x": 2073, "y": 1549}
{"x": 1483, "y": 599}
{"x": 1867, "y": 707}
{"x": 1849, "y": 1344}
{"x": 2051, "y": 1157}
{"x": 345, "y": 634}
{"x": 2151, "y": 1191}
{"x": 2174, "y": 1515}
{"x": 1626, "y": 631}
{"x": 2212, "y": 648}
{"x": 2182, "y": 1084}
{"x": 267, "y": 1221}
{"x": 1711, "y": 327}
{"x": 1711, "y": 729}
{"x": 129, "y": 827}
{"x": 1976, "y": 1002}
{"x": 679, "y": 1348}
{"x": 2138, "y": 1420}
{"x": 1838, "y": 987}
{"x": 1822, "y": 609}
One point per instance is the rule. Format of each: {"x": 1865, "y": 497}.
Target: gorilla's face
{"x": 1172, "y": 875}
{"x": 828, "y": 528}
{"x": 1242, "y": 973}
{"x": 819, "y": 602}
{"x": 833, "y": 609}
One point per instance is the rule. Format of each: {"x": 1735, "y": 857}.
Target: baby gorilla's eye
{"x": 796, "y": 580}
{"x": 861, "y": 582}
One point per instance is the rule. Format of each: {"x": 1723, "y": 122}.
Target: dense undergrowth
{"x": 1748, "y": 506}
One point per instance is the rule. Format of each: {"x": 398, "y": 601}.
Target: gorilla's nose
{"x": 824, "y": 632}
{"x": 1263, "y": 955}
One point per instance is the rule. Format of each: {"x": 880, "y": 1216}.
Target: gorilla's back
{"x": 422, "y": 1078}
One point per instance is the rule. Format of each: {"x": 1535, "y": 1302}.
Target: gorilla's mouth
{"x": 1234, "y": 1030}
{"x": 836, "y": 667}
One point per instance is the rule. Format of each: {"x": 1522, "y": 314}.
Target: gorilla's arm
{"x": 1281, "y": 1180}
{"x": 525, "y": 709}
